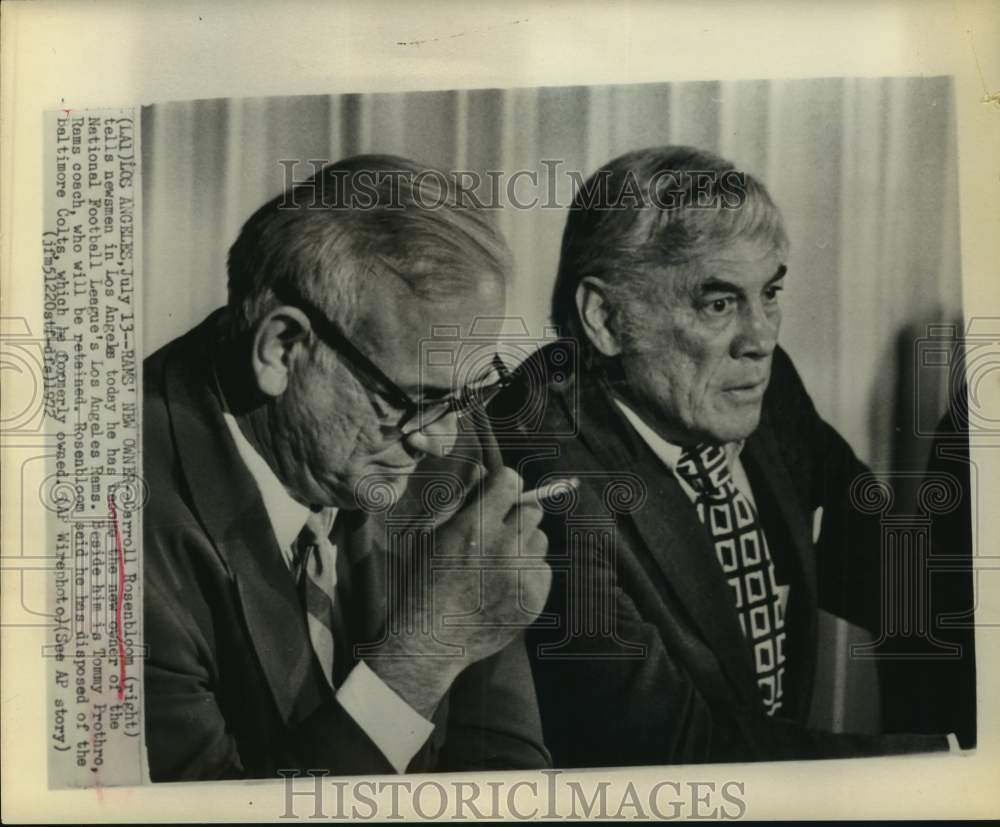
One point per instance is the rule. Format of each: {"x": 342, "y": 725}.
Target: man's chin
{"x": 733, "y": 428}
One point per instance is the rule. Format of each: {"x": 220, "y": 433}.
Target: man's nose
{"x": 758, "y": 333}
{"x": 436, "y": 439}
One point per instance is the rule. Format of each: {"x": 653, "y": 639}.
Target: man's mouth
{"x": 397, "y": 470}
{"x": 748, "y": 390}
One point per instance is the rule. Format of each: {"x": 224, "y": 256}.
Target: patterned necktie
{"x": 314, "y": 567}
{"x": 741, "y": 549}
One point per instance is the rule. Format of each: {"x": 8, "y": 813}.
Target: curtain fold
{"x": 863, "y": 168}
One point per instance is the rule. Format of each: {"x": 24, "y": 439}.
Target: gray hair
{"x": 646, "y": 213}
{"x": 360, "y": 218}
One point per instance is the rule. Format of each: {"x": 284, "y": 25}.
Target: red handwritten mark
{"x": 118, "y": 602}
{"x": 67, "y": 111}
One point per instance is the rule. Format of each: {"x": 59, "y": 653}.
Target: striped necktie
{"x": 314, "y": 566}
{"x": 741, "y": 549}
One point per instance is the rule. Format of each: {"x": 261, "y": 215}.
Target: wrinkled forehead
{"x": 742, "y": 260}
{"x": 444, "y": 341}
{"x": 740, "y": 254}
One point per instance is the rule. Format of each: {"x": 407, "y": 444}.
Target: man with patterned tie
{"x": 686, "y": 612}
{"x": 284, "y": 626}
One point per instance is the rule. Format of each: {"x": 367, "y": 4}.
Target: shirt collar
{"x": 667, "y": 452}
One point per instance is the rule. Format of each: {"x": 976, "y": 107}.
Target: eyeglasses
{"x": 414, "y": 416}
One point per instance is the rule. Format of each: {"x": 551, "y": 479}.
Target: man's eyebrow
{"x": 778, "y": 274}
{"x": 717, "y": 285}
{"x": 714, "y": 285}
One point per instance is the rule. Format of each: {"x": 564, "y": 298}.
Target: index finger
{"x": 492, "y": 458}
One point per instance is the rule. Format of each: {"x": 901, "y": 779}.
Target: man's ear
{"x": 592, "y": 306}
{"x": 275, "y": 339}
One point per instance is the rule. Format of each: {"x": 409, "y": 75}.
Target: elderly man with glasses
{"x": 294, "y": 618}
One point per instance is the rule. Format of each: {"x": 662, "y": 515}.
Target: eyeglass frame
{"x": 375, "y": 379}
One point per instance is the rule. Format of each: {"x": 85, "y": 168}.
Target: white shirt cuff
{"x": 953, "y": 745}
{"x": 397, "y": 729}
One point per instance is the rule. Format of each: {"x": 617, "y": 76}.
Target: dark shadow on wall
{"x": 924, "y": 669}
{"x": 930, "y": 684}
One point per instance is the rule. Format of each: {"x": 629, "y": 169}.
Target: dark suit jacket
{"x": 232, "y": 687}
{"x": 641, "y": 659}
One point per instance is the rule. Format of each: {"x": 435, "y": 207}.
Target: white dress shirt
{"x": 397, "y": 729}
{"x": 669, "y": 454}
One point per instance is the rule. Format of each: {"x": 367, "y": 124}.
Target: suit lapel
{"x": 230, "y": 508}
{"x": 368, "y": 559}
{"x": 673, "y": 535}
